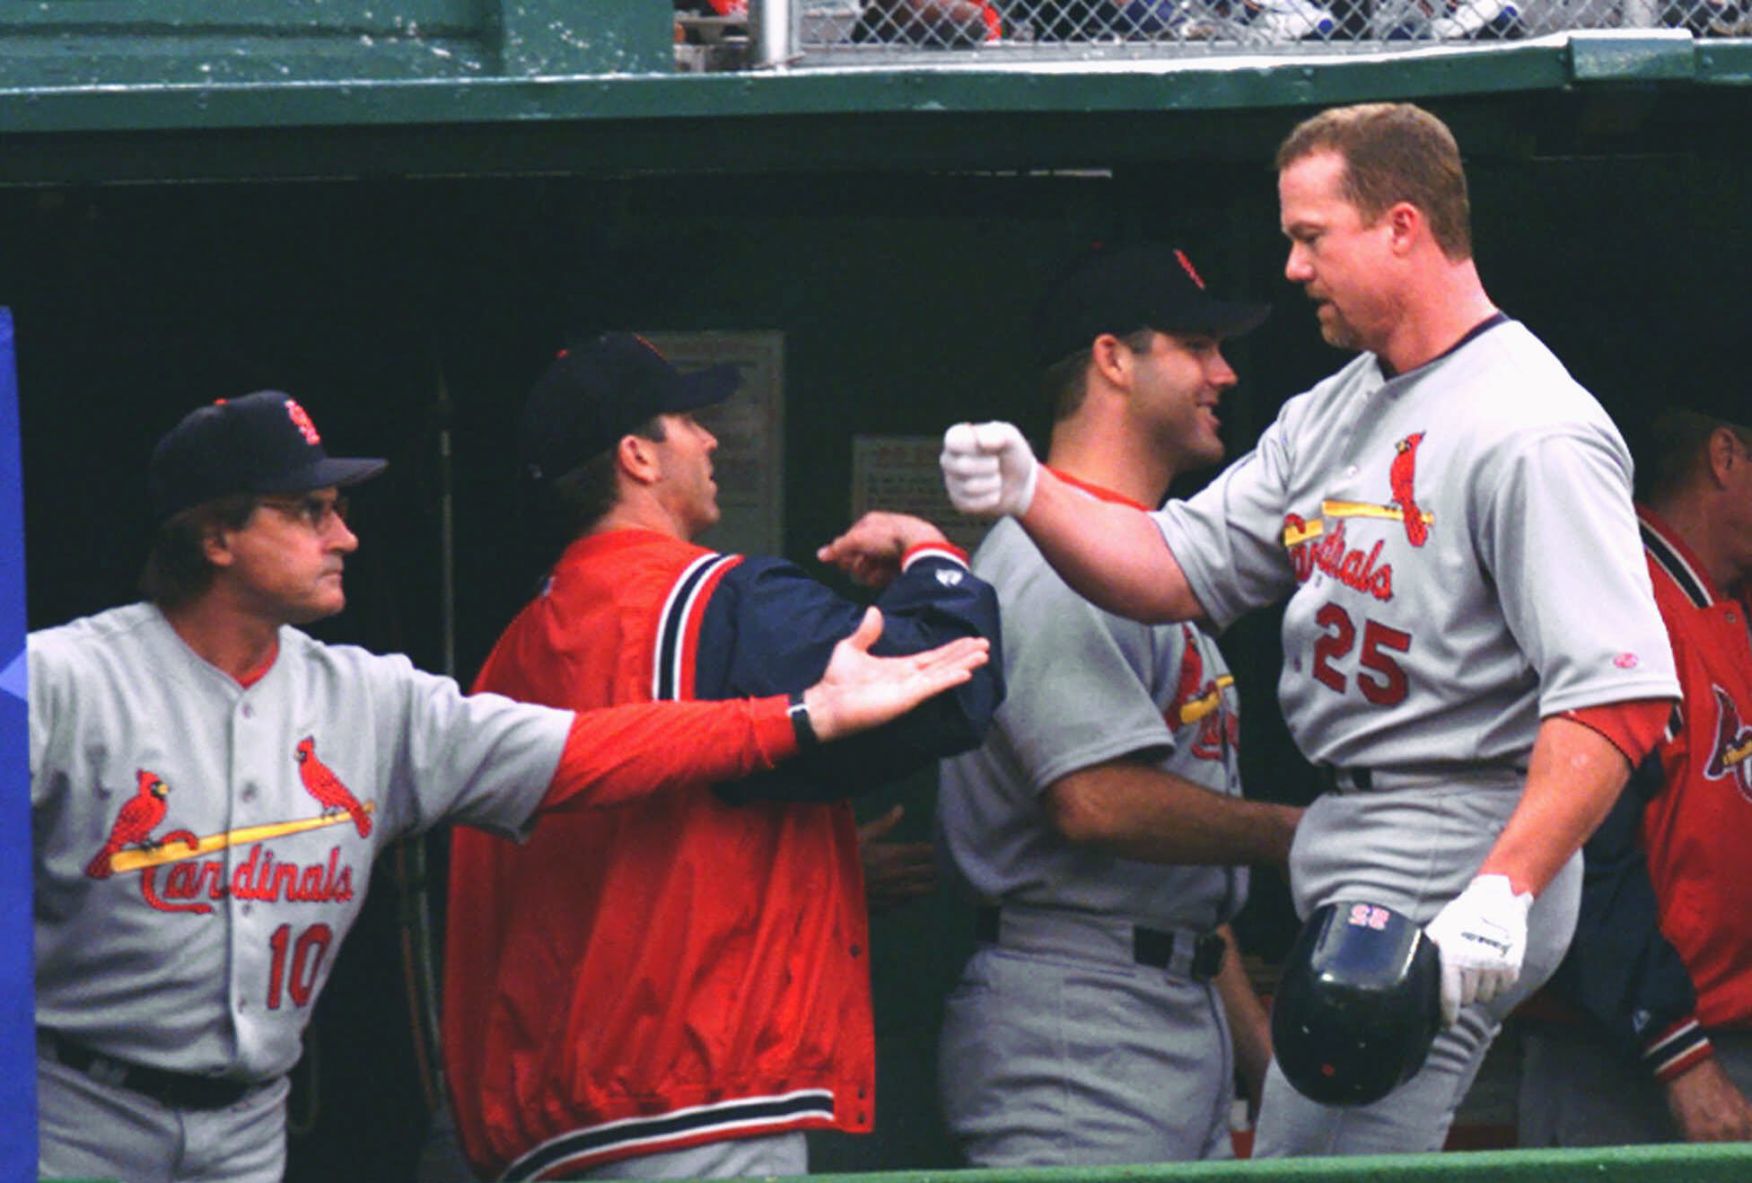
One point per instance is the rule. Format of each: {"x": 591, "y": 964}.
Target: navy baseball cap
{"x": 260, "y": 443}
{"x": 595, "y": 392}
{"x": 1124, "y": 289}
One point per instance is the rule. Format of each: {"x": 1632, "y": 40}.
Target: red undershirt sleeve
{"x": 1632, "y": 727}
{"x": 621, "y": 753}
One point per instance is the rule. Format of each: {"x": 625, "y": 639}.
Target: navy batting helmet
{"x": 1358, "y": 1005}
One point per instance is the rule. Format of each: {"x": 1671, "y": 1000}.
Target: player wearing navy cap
{"x": 210, "y": 787}
{"x": 1105, "y": 1014}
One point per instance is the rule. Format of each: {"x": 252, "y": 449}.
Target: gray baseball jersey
{"x": 1459, "y": 550}
{"x": 203, "y": 848}
{"x": 1462, "y": 559}
{"x": 1085, "y": 687}
{"x": 1057, "y": 1048}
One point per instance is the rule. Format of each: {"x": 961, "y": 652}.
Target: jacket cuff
{"x": 933, "y": 550}
{"x": 1677, "y": 1050}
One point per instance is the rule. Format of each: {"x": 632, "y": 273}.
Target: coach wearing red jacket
{"x": 680, "y": 990}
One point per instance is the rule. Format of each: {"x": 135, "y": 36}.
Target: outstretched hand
{"x": 870, "y": 552}
{"x": 860, "y": 691}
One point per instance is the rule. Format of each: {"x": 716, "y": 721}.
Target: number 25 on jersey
{"x": 1377, "y": 676}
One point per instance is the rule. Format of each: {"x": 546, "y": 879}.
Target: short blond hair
{"x": 1393, "y": 152}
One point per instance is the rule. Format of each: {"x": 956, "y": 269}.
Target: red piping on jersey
{"x": 1096, "y": 491}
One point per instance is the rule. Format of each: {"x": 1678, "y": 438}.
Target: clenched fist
{"x": 989, "y": 469}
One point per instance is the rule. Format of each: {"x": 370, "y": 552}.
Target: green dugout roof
{"x": 448, "y": 87}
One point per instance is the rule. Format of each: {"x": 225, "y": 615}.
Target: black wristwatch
{"x": 800, "y": 724}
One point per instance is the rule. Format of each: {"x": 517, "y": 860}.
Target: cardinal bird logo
{"x": 1401, "y": 478}
{"x": 1733, "y": 747}
{"x": 302, "y": 421}
{"x": 1191, "y": 685}
{"x": 133, "y": 826}
{"x": 326, "y": 787}
{"x": 1199, "y": 700}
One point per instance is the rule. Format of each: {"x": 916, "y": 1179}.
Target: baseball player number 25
{"x": 1379, "y": 643}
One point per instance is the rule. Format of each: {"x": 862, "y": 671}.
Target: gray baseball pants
{"x": 1411, "y": 844}
{"x": 1080, "y": 1056}
{"x": 91, "y": 1130}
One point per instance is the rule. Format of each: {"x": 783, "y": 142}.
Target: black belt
{"x": 178, "y": 1090}
{"x": 1339, "y": 779}
{"x": 1150, "y": 946}
{"x": 1344, "y": 780}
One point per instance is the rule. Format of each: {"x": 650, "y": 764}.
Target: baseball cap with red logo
{"x": 599, "y": 390}
{"x": 1127, "y": 288}
{"x": 260, "y": 443}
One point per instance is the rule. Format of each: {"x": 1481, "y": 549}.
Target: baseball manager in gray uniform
{"x": 1104, "y": 1014}
{"x": 1471, "y": 646}
{"x": 209, "y": 788}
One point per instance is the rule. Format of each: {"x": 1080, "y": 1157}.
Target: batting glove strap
{"x": 988, "y": 469}
{"x": 1482, "y": 936}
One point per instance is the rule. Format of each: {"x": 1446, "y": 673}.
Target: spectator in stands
{"x": 1710, "y": 18}
{"x": 934, "y": 24}
{"x": 1176, "y": 20}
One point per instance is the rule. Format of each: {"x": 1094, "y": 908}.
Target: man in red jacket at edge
{"x": 1660, "y": 967}
{"x": 680, "y": 991}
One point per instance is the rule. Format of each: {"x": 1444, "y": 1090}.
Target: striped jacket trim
{"x": 672, "y": 665}
{"x": 588, "y": 1146}
{"x": 1677, "y": 1050}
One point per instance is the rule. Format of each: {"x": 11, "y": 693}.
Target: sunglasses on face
{"x": 314, "y": 510}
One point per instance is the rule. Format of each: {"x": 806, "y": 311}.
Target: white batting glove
{"x": 989, "y": 469}
{"x": 1482, "y": 936}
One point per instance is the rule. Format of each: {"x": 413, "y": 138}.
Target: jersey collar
{"x": 1472, "y": 334}
{"x": 250, "y": 677}
{"x": 1094, "y": 490}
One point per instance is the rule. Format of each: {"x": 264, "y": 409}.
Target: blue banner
{"x": 18, "y": 1152}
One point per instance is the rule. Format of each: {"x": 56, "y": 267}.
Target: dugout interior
{"x": 399, "y": 282}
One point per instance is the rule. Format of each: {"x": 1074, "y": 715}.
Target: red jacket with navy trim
{"x": 1660, "y": 954}
{"x": 690, "y": 967}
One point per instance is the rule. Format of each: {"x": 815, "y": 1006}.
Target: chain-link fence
{"x": 881, "y": 29}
